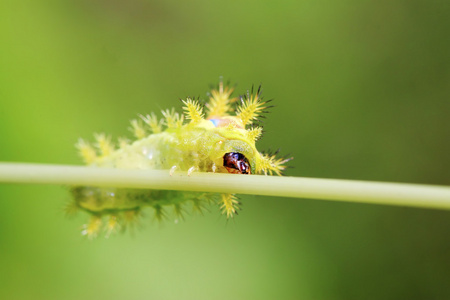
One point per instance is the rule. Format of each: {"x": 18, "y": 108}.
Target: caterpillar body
{"x": 218, "y": 142}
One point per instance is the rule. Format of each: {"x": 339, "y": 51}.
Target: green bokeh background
{"x": 361, "y": 90}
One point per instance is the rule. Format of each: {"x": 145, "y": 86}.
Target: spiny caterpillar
{"x": 218, "y": 142}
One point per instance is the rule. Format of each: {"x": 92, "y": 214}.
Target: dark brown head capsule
{"x": 236, "y": 163}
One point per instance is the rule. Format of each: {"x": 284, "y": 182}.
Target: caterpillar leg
{"x": 229, "y": 205}
{"x": 191, "y": 170}
{"x": 172, "y": 170}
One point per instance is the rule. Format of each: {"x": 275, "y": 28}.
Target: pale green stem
{"x": 415, "y": 195}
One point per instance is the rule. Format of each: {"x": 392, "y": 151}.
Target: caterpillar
{"x": 210, "y": 138}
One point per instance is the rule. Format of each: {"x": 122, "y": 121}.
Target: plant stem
{"x": 415, "y": 195}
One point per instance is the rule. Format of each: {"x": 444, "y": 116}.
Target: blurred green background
{"x": 361, "y": 90}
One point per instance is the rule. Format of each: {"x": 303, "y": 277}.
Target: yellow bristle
{"x": 87, "y": 152}
{"x": 138, "y": 129}
{"x": 269, "y": 164}
{"x": 254, "y": 133}
{"x": 173, "y": 119}
{"x": 250, "y": 108}
{"x": 152, "y": 121}
{"x": 112, "y": 226}
{"x": 92, "y": 229}
{"x": 229, "y": 205}
{"x": 219, "y": 102}
{"x": 104, "y": 144}
{"x": 179, "y": 212}
{"x": 160, "y": 213}
{"x": 193, "y": 110}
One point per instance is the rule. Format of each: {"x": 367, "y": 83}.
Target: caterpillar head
{"x": 233, "y": 148}
{"x": 232, "y": 151}
{"x": 236, "y": 162}
{"x": 232, "y": 137}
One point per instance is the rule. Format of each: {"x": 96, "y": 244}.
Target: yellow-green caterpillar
{"x": 218, "y": 142}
